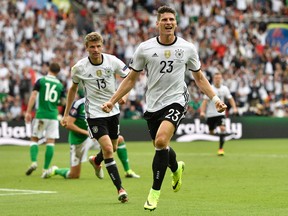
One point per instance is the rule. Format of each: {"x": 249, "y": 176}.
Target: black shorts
{"x": 214, "y": 122}
{"x": 99, "y": 127}
{"x": 173, "y": 113}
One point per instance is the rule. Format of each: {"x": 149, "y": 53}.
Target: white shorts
{"x": 79, "y": 153}
{"x": 48, "y": 128}
{"x": 76, "y": 154}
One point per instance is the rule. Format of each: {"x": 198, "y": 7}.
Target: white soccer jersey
{"x": 222, "y": 92}
{"x": 165, "y": 66}
{"x": 99, "y": 83}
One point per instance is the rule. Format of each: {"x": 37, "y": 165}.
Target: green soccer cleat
{"x": 131, "y": 174}
{"x": 177, "y": 177}
{"x": 152, "y": 200}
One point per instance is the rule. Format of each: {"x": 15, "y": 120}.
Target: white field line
{"x": 22, "y": 192}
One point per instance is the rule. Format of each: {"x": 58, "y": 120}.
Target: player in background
{"x": 97, "y": 75}
{"x": 80, "y": 143}
{"x": 51, "y": 94}
{"x": 122, "y": 154}
{"x": 165, "y": 59}
{"x": 215, "y": 119}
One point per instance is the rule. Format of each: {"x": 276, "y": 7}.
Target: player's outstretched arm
{"x": 206, "y": 88}
{"x": 126, "y": 85}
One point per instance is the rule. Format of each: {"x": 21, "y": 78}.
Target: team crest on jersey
{"x": 167, "y": 53}
{"x": 179, "y": 53}
{"x": 95, "y": 129}
{"x": 108, "y": 71}
{"x": 99, "y": 73}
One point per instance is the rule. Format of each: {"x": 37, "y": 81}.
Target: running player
{"x": 165, "y": 59}
{"x": 97, "y": 74}
{"x": 214, "y": 118}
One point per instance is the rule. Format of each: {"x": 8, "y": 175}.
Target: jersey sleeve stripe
{"x": 195, "y": 70}
{"x": 136, "y": 70}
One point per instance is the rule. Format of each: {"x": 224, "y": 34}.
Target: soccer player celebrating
{"x": 80, "y": 143}
{"x": 97, "y": 74}
{"x": 50, "y": 91}
{"x": 165, "y": 59}
{"x": 214, "y": 118}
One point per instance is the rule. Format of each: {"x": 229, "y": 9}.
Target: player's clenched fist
{"x": 63, "y": 121}
{"x": 107, "y": 107}
{"x": 220, "y": 106}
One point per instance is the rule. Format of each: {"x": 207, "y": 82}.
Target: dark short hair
{"x": 164, "y": 9}
{"x": 54, "y": 67}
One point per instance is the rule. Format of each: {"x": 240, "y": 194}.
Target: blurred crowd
{"x": 230, "y": 37}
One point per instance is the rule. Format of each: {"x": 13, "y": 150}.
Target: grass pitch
{"x": 251, "y": 179}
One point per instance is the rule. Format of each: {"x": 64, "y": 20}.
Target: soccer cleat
{"x": 152, "y": 200}
{"x": 32, "y": 168}
{"x": 220, "y": 152}
{"x": 177, "y": 177}
{"x": 44, "y": 173}
{"x": 98, "y": 168}
{"x": 122, "y": 196}
{"x": 131, "y": 174}
{"x": 50, "y": 172}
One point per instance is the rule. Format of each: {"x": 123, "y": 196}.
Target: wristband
{"x": 215, "y": 99}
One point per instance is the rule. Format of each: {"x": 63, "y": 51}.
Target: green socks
{"x": 123, "y": 155}
{"x": 48, "y": 155}
{"x": 62, "y": 172}
{"x": 33, "y": 152}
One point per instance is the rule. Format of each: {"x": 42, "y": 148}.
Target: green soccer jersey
{"x": 50, "y": 91}
{"x": 78, "y": 111}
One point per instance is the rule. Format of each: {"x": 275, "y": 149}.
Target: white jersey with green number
{"x": 223, "y": 93}
{"x": 165, "y": 67}
{"x": 99, "y": 83}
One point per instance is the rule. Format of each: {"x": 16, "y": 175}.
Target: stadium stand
{"x": 231, "y": 37}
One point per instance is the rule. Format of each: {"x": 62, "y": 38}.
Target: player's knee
{"x": 74, "y": 176}
{"x": 222, "y": 128}
{"x": 107, "y": 149}
{"x": 161, "y": 142}
{"x": 120, "y": 139}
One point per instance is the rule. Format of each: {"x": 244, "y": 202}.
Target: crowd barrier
{"x": 18, "y": 133}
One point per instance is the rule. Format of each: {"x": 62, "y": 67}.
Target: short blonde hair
{"x": 93, "y": 36}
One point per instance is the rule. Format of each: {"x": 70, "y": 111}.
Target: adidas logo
{"x": 155, "y": 55}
